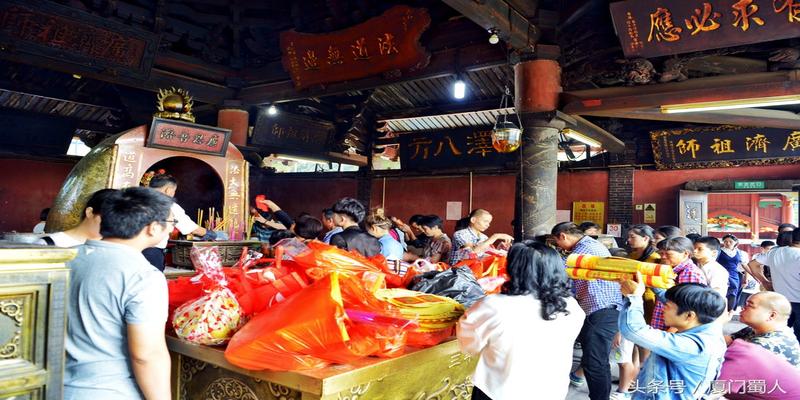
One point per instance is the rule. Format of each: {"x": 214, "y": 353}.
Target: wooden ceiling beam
{"x": 443, "y": 63}
{"x": 742, "y": 86}
{"x": 726, "y": 65}
{"x": 194, "y": 67}
{"x": 200, "y": 90}
{"x": 512, "y": 26}
{"x": 755, "y": 117}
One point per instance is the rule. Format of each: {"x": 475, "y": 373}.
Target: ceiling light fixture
{"x": 575, "y": 135}
{"x": 272, "y": 110}
{"x": 494, "y": 38}
{"x": 459, "y": 88}
{"x": 730, "y": 104}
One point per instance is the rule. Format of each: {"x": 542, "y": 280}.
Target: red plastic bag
{"x": 319, "y": 259}
{"x": 313, "y": 328}
{"x": 285, "y": 338}
{"x": 182, "y": 290}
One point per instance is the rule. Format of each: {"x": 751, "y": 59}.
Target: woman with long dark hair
{"x": 535, "y": 300}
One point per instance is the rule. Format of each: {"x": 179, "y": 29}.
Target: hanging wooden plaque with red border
{"x": 384, "y": 43}
{"x": 46, "y": 30}
{"x": 648, "y": 28}
{"x": 184, "y": 136}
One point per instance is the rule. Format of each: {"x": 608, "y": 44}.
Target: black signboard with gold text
{"x": 292, "y": 132}
{"x": 452, "y": 149}
{"x": 649, "y": 28}
{"x": 724, "y": 146}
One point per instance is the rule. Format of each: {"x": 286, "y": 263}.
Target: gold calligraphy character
{"x": 480, "y": 142}
{"x": 386, "y": 45}
{"x": 757, "y": 142}
{"x": 421, "y": 144}
{"x": 743, "y": 10}
{"x": 793, "y": 141}
{"x": 360, "y": 49}
{"x": 234, "y": 170}
{"x": 310, "y": 61}
{"x": 167, "y": 133}
{"x": 129, "y": 157}
{"x": 334, "y": 56}
{"x": 198, "y": 138}
{"x": 662, "y": 28}
{"x": 213, "y": 141}
{"x": 702, "y": 21}
{"x": 792, "y": 6}
{"x": 690, "y": 145}
{"x": 450, "y": 144}
{"x": 184, "y": 137}
{"x": 722, "y": 146}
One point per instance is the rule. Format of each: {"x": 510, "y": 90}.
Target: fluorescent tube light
{"x": 301, "y": 159}
{"x": 581, "y": 137}
{"x": 730, "y": 104}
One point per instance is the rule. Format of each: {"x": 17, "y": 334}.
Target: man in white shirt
{"x": 706, "y": 250}
{"x": 784, "y": 267}
{"x": 168, "y": 185}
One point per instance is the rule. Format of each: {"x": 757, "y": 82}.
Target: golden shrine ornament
{"x": 174, "y": 104}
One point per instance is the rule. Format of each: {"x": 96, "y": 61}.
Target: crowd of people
{"x": 669, "y": 344}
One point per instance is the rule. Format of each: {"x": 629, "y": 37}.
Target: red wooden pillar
{"x": 237, "y": 120}
{"x": 537, "y": 85}
{"x": 786, "y": 210}
{"x": 755, "y": 223}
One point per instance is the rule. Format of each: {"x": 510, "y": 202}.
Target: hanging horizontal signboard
{"x": 185, "y": 136}
{"x": 650, "y": 29}
{"x": 389, "y": 42}
{"x": 452, "y": 149}
{"x": 292, "y": 132}
{"x": 724, "y": 146}
{"x": 91, "y": 43}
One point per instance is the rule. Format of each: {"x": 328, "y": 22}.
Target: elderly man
{"x": 472, "y": 240}
{"x": 765, "y": 315}
{"x": 601, "y": 300}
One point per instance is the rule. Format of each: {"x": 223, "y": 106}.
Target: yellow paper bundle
{"x": 433, "y": 312}
{"x": 588, "y": 267}
{"x": 618, "y": 264}
{"x": 588, "y": 274}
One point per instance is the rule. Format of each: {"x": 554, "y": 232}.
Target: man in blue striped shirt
{"x": 601, "y": 300}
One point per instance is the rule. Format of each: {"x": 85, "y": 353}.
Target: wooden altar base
{"x": 441, "y": 372}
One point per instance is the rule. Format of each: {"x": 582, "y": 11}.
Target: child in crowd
{"x": 706, "y": 250}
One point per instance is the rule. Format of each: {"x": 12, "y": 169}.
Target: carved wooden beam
{"x": 512, "y": 26}
{"x": 726, "y": 65}
{"x": 755, "y": 117}
{"x": 601, "y": 101}
{"x": 201, "y": 91}
{"x": 443, "y": 63}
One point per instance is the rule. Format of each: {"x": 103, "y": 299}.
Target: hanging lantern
{"x": 506, "y": 136}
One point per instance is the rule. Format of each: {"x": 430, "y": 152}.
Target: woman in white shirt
{"x": 524, "y": 335}
{"x": 88, "y": 228}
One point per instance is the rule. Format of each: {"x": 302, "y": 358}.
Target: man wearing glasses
{"x": 117, "y": 307}
{"x": 168, "y": 185}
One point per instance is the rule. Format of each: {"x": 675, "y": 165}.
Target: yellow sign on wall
{"x": 583, "y": 211}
